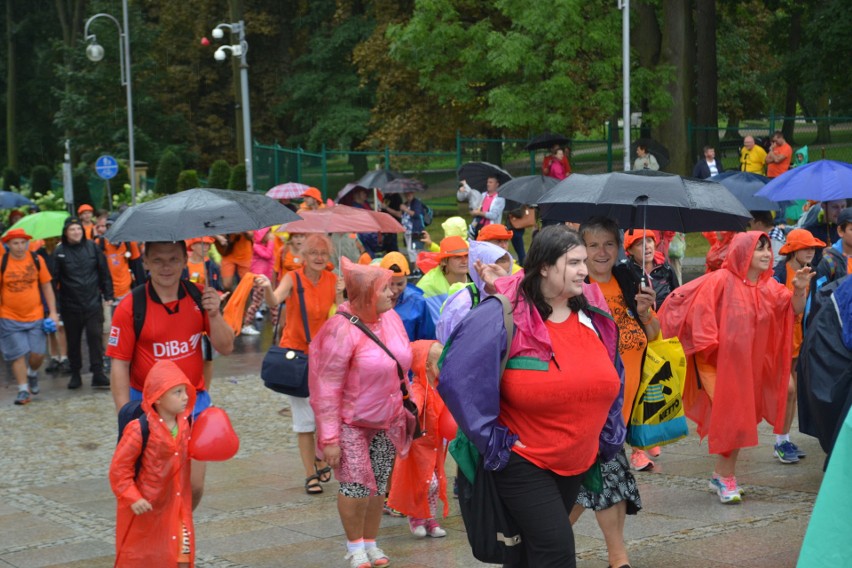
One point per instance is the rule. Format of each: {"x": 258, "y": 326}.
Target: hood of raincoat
{"x": 804, "y": 160}
{"x": 531, "y": 338}
{"x": 740, "y": 253}
{"x": 165, "y": 375}
{"x": 489, "y": 253}
{"x": 68, "y": 222}
{"x": 363, "y": 284}
{"x": 455, "y": 227}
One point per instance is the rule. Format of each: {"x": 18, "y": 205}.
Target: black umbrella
{"x": 198, "y": 212}
{"x": 476, "y": 174}
{"x": 547, "y": 140}
{"x": 657, "y": 200}
{"x": 660, "y": 152}
{"x": 347, "y": 190}
{"x": 377, "y": 178}
{"x": 744, "y": 185}
{"x": 404, "y": 185}
{"x": 526, "y": 189}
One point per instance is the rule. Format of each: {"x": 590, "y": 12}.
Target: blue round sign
{"x": 106, "y": 167}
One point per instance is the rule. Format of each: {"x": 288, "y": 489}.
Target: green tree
{"x": 188, "y": 179}
{"x": 168, "y": 170}
{"x": 11, "y": 179}
{"x": 40, "y": 179}
{"x": 220, "y": 174}
{"x": 238, "y": 178}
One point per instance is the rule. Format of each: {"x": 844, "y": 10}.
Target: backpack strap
{"x": 146, "y": 433}
{"x": 195, "y": 294}
{"x": 140, "y": 306}
{"x": 301, "y": 292}
{"x": 509, "y": 324}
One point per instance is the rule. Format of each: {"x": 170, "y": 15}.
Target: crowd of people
{"x": 384, "y": 326}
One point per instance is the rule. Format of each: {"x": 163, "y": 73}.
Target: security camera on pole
{"x": 238, "y": 50}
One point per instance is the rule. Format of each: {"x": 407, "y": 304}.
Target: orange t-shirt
{"x": 88, "y": 230}
{"x": 197, "y": 272}
{"x": 242, "y": 251}
{"x": 119, "y": 266}
{"x": 286, "y": 262}
{"x": 775, "y": 169}
{"x": 20, "y": 291}
{"x": 631, "y": 341}
{"x": 319, "y": 298}
{"x": 798, "y": 332}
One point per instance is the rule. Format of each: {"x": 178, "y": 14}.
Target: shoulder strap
{"x": 509, "y": 324}
{"x": 140, "y": 306}
{"x": 5, "y": 262}
{"x": 302, "y": 309}
{"x": 356, "y": 321}
{"x": 195, "y": 294}
{"x": 101, "y": 244}
{"x": 473, "y": 290}
{"x": 146, "y": 432}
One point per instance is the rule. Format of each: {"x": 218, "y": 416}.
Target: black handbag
{"x": 491, "y": 532}
{"x": 286, "y": 370}
{"x": 413, "y": 429}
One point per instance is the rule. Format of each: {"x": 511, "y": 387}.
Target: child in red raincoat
{"x": 154, "y": 516}
{"x": 419, "y": 479}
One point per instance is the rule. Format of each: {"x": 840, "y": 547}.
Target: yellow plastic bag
{"x": 658, "y": 416}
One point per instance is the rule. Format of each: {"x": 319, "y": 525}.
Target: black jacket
{"x": 82, "y": 276}
{"x": 663, "y": 278}
{"x": 702, "y": 170}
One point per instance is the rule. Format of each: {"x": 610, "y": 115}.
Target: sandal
{"x": 313, "y": 488}
{"x": 324, "y": 474}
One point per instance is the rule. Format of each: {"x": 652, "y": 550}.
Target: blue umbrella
{"x": 824, "y": 180}
{"x": 12, "y": 200}
{"x": 744, "y": 185}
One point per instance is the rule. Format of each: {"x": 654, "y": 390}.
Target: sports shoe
{"x": 65, "y": 366}
{"x": 640, "y": 460}
{"x": 654, "y": 452}
{"x": 249, "y": 330}
{"x": 22, "y": 398}
{"x": 378, "y": 557}
{"x": 258, "y": 316}
{"x": 32, "y": 381}
{"x": 786, "y": 452}
{"x": 391, "y": 511}
{"x": 100, "y": 381}
{"x": 434, "y": 530}
{"x": 52, "y": 366}
{"x": 726, "y": 488}
{"x": 75, "y": 382}
{"x": 358, "y": 559}
{"x": 417, "y": 526}
{"x": 799, "y": 451}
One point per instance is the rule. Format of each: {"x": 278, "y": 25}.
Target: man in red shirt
{"x": 173, "y": 329}
{"x": 779, "y": 156}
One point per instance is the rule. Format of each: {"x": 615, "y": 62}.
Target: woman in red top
{"x": 322, "y": 290}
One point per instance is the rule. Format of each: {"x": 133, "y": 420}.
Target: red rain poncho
{"x": 412, "y": 474}
{"x": 744, "y": 331}
{"x": 152, "y": 538}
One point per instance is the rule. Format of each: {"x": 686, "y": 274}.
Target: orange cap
{"x": 85, "y": 207}
{"x": 494, "y": 232}
{"x": 632, "y": 236}
{"x": 453, "y": 246}
{"x": 313, "y": 192}
{"x": 16, "y": 234}
{"x": 190, "y": 242}
{"x": 396, "y": 259}
{"x": 800, "y": 239}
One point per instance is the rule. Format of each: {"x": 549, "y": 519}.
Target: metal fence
{"x": 825, "y": 137}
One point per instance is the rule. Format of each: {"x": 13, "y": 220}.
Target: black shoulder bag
{"x": 286, "y": 370}
{"x": 414, "y": 430}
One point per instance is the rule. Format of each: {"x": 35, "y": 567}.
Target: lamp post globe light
{"x": 239, "y": 50}
{"x": 95, "y": 52}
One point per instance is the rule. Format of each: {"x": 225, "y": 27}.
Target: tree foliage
{"x": 187, "y": 179}
{"x": 238, "y": 178}
{"x": 220, "y": 174}
{"x": 168, "y": 170}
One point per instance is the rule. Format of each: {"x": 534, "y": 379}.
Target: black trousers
{"x": 93, "y": 324}
{"x": 540, "y": 502}
{"x": 518, "y": 245}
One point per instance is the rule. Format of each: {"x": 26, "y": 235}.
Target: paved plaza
{"x": 56, "y": 507}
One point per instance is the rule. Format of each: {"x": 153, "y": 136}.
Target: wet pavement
{"x": 56, "y": 507}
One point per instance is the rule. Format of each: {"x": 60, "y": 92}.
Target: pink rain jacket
{"x": 263, "y": 254}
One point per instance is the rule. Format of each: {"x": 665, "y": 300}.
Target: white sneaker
{"x": 249, "y": 330}
{"x": 258, "y": 316}
{"x": 434, "y": 530}
{"x": 358, "y": 559}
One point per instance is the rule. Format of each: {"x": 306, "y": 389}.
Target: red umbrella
{"x": 343, "y": 219}
{"x": 289, "y": 190}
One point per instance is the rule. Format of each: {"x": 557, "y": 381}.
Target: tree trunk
{"x": 70, "y": 14}
{"x": 678, "y": 50}
{"x": 11, "y": 93}
{"x": 646, "y": 42}
{"x": 706, "y": 80}
{"x": 824, "y": 125}
{"x": 792, "y": 77}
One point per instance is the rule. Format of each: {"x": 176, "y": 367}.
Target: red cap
{"x": 494, "y": 232}
{"x": 631, "y": 237}
{"x": 15, "y": 234}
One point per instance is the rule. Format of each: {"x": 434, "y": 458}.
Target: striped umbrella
{"x": 289, "y": 190}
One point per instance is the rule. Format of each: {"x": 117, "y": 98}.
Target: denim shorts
{"x": 17, "y": 338}
{"x": 202, "y": 400}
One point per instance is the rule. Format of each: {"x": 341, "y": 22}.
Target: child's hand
{"x": 141, "y": 506}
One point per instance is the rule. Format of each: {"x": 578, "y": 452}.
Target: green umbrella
{"x": 42, "y": 225}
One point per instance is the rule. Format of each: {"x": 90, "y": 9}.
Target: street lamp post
{"x": 239, "y": 50}
{"x": 95, "y": 52}
{"x": 624, "y": 6}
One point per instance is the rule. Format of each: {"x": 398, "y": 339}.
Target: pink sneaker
{"x": 726, "y": 488}
{"x": 418, "y": 527}
{"x": 434, "y": 530}
{"x": 654, "y": 452}
{"x": 640, "y": 460}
